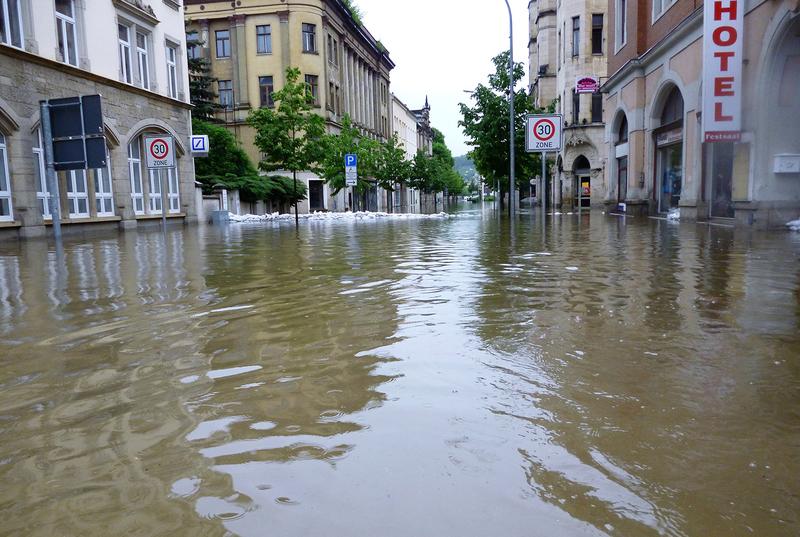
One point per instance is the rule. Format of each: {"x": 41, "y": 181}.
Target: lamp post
{"x": 511, "y": 179}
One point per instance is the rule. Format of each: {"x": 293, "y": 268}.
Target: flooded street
{"x": 425, "y": 377}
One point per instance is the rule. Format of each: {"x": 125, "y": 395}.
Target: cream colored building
{"x": 404, "y": 127}
{"x": 251, "y": 43}
{"x": 132, "y": 53}
{"x": 568, "y": 42}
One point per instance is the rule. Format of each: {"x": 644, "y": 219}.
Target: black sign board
{"x": 78, "y": 139}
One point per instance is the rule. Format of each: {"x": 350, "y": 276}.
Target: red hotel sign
{"x": 722, "y": 70}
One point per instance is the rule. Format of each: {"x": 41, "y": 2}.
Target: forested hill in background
{"x": 466, "y": 168}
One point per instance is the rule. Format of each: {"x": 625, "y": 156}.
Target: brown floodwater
{"x": 427, "y": 377}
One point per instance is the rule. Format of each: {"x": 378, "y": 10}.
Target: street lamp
{"x": 511, "y": 181}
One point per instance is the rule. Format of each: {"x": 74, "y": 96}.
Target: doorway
{"x": 720, "y": 166}
{"x": 582, "y": 188}
{"x": 670, "y": 173}
{"x": 316, "y": 195}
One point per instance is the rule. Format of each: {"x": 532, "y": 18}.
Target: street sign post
{"x": 160, "y": 155}
{"x": 543, "y": 133}
{"x": 351, "y": 169}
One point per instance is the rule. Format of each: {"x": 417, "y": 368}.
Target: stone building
{"x": 404, "y": 127}
{"x": 424, "y": 129}
{"x": 133, "y": 54}
{"x": 568, "y": 43}
{"x": 251, "y": 43}
{"x": 658, "y": 159}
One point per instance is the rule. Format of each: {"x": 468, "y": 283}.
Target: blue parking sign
{"x": 350, "y": 160}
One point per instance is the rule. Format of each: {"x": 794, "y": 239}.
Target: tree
{"x": 486, "y": 127}
{"x": 226, "y": 163}
{"x": 290, "y": 136}
{"x": 201, "y": 93}
{"x": 391, "y": 168}
{"x": 347, "y": 141}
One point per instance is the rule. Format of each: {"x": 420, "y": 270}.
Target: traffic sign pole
{"x": 50, "y": 172}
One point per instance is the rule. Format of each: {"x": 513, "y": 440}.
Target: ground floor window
{"x": 103, "y": 193}
{"x": 173, "y": 191}
{"x": 669, "y": 169}
{"x": 147, "y": 196}
{"x": 42, "y": 192}
{"x": 77, "y": 193}
{"x": 5, "y": 183}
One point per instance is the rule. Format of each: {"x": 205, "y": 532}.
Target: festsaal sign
{"x": 722, "y": 70}
{"x": 587, "y": 84}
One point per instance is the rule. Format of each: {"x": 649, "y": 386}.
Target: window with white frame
{"x": 142, "y": 56}
{"x": 77, "y": 193}
{"x": 5, "y": 183}
{"x": 135, "y": 168}
{"x": 172, "y": 70}
{"x": 103, "y": 193}
{"x": 125, "y": 53}
{"x": 66, "y": 29}
{"x": 661, "y": 6}
{"x": 11, "y": 31}
{"x": 154, "y": 196}
{"x": 173, "y": 191}
{"x": 42, "y": 193}
{"x": 620, "y": 24}
{"x": 309, "y": 38}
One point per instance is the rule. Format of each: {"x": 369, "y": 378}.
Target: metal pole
{"x": 511, "y": 179}
{"x": 164, "y": 199}
{"x": 543, "y": 191}
{"x": 50, "y": 172}
{"x": 580, "y": 195}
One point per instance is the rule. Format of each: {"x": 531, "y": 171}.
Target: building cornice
{"x": 137, "y": 9}
{"x": 88, "y": 75}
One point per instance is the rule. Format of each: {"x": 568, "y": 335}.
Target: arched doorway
{"x": 669, "y": 152}
{"x": 621, "y": 156}
{"x": 582, "y": 170}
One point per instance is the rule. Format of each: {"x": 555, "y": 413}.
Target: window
{"x": 335, "y": 52}
{"x": 65, "y": 25}
{"x": 155, "y": 205}
{"x": 597, "y": 33}
{"x": 660, "y": 6}
{"x": 141, "y": 54}
{"x": 264, "y": 39}
{"x": 621, "y": 26}
{"x": 226, "y": 93}
{"x": 173, "y": 190}
{"x": 103, "y": 195}
{"x": 576, "y": 36}
{"x": 576, "y": 107}
{"x": 597, "y": 107}
{"x": 673, "y": 108}
{"x": 11, "y": 23}
{"x": 42, "y": 193}
{"x": 5, "y": 183}
{"x": 125, "y": 53}
{"x": 312, "y": 82}
{"x": 309, "y": 38}
{"x": 172, "y": 71}
{"x": 77, "y": 193}
{"x": 223, "y": 43}
{"x": 192, "y": 45}
{"x": 622, "y": 133}
{"x": 135, "y": 167}
{"x": 329, "y": 104}
{"x": 266, "y": 88}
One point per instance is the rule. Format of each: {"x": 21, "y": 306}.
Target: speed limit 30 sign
{"x": 160, "y": 151}
{"x": 543, "y": 133}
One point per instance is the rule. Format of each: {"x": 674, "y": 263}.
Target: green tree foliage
{"x": 290, "y": 136}
{"x": 201, "y": 83}
{"x": 391, "y": 167}
{"x": 336, "y": 146}
{"x": 487, "y": 130}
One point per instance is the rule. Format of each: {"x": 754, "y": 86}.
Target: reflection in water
{"x": 462, "y": 377}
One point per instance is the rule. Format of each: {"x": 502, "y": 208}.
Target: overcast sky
{"x": 442, "y": 47}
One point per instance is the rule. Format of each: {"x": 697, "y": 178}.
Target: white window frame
{"x": 155, "y": 198}
{"x": 65, "y": 24}
{"x": 74, "y": 197}
{"x": 135, "y": 171}
{"x": 173, "y": 190}
{"x": 620, "y": 29}
{"x": 143, "y": 60}
{"x": 42, "y": 194}
{"x": 125, "y": 53}
{"x": 5, "y": 7}
{"x": 172, "y": 70}
{"x": 309, "y": 38}
{"x": 665, "y": 5}
{"x": 5, "y": 194}
{"x": 104, "y": 198}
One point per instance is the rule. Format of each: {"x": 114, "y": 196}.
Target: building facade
{"x": 133, "y": 55}
{"x": 404, "y": 127}
{"x": 251, "y": 43}
{"x": 658, "y": 161}
{"x": 568, "y": 43}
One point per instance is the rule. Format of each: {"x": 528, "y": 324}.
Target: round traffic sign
{"x": 159, "y": 148}
{"x": 544, "y": 129}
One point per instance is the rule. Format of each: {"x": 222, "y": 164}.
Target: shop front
{"x": 669, "y": 153}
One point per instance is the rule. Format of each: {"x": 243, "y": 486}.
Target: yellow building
{"x": 251, "y": 43}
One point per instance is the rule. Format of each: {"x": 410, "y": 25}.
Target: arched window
{"x": 622, "y": 133}
{"x": 42, "y": 193}
{"x": 148, "y": 196}
{"x": 5, "y": 183}
{"x": 673, "y": 108}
